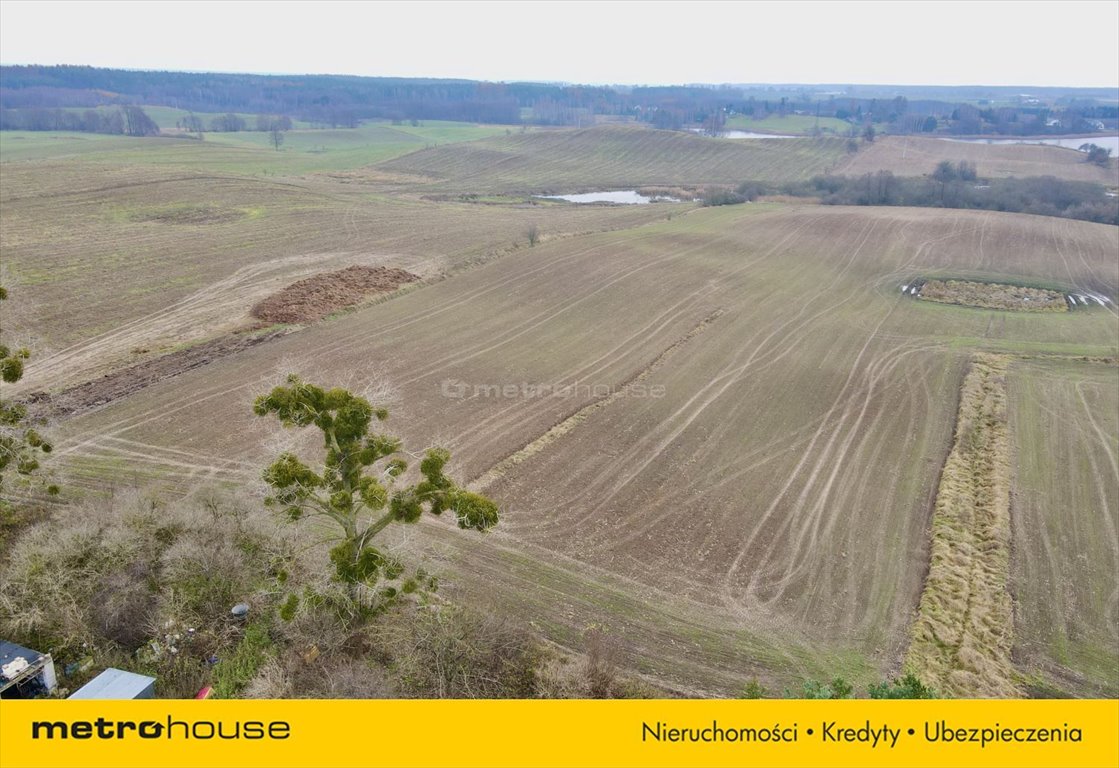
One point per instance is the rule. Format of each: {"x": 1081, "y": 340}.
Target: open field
{"x": 158, "y": 257}
{"x": 717, "y": 432}
{"x": 1064, "y": 419}
{"x": 245, "y": 152}
{"x": 916, "y": 156}
{"x": 725, "y": 429}
{"x": 568, "y": 161}
{"x": 794, "y": 124}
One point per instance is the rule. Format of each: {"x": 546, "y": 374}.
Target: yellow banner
{"x": 415, "y": 734}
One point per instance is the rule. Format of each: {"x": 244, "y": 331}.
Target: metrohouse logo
{"x": 203, "y": 730}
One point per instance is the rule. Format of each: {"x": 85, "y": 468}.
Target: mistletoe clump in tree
{"x": 360, "y": 485}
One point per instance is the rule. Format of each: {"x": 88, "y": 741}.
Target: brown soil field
{"x": 613, "y": 157}
{"x": 315, "y": 297}
{"x": 918, "y": 156}
{"x": 1064, "y": 420}
{"x": 83, "y": 234}
{"x": 717, "y": 435}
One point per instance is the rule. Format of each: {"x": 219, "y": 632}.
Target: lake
{"x": 1111, "y": 142}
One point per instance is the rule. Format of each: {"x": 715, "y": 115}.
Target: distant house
{"x": 1053, "y": 123}
{"x": 1096, "y": 124}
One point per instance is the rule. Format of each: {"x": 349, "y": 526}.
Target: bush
{"x": 753, "y": 690}
{"x": 139, "y": 584}
{"x": 907, "y": 687}
{"x": 443, "y": 651}
{"x": 711, "y": 197}
{"x": 836, "y": 689}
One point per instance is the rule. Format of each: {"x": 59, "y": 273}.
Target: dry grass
{"x": 993, "y": 296}
{"x": 963, "y": 636}
{"x": 143, "y": 584}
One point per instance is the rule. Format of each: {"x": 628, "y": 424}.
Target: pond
{"x": 748, "y": 135}
{"x": 620, "y": 197}
{"x": 1070, "y": 142}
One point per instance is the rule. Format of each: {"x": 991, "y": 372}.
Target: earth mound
{"x": 315, "y": 297}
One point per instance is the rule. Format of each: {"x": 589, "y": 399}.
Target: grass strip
{"x": 962, "y": 638}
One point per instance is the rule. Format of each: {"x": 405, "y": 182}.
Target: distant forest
{"x": 45, "y": 98}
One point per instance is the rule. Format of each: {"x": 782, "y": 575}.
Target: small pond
{"x": 748, "y": 135}
{"x": 619, "y": 197}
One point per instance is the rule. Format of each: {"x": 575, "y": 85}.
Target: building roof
{"x": 9, "y": 652}
{"x": 116, "y": 684}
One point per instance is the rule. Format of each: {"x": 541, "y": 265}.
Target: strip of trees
{"x": 128, "y": 120}
{"x": 342, "y": 101}
{"x": 948, "y": 186}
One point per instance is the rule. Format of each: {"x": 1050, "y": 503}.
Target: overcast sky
{"x": 996, "y": 43}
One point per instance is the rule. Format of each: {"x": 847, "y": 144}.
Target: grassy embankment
{"x": 963, "y": 636}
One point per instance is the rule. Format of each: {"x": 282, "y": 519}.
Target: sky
{"x": 906, "y": 43}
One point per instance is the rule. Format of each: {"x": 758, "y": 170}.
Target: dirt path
{"x": 113, "y": 386}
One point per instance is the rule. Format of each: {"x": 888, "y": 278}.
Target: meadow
{"x": 789, "y": 124}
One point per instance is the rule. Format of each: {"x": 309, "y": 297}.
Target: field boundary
{"x": 962, "y": 638}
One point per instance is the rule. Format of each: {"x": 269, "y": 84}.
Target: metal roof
{"x": 117, "y": 684}
{"x": 10, "y": 652}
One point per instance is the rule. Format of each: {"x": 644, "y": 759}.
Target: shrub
{"x": 443, "y": 651}
{"x": 138, "y": 584}
{"x": 836, "y": 689}
{"x": 753, "y": 690}
{"x": 908, "y": 686}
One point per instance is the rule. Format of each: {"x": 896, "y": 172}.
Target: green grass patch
{"x": 245, "y": 152}
{"x": 235, "y": 671}
{"x": 794, "y": 124}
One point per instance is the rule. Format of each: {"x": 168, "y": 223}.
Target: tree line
{"x": 343, "y": 101}
{"x": 950, "y": 185}
{"x": 127, "y": 119}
